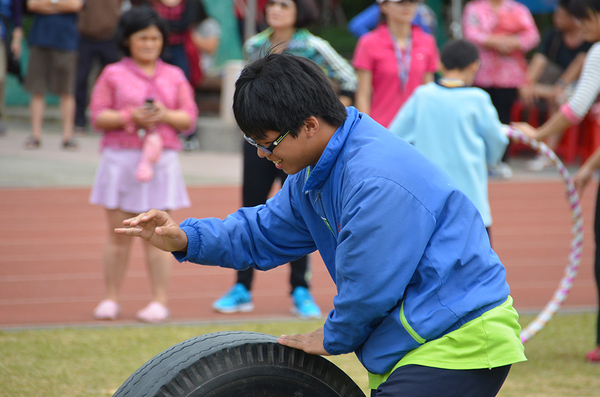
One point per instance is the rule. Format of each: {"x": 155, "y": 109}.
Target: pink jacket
{"x": 123, "y": 86}
{"x": 480, "y": 21}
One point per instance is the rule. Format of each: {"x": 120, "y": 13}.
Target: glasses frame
{"x": 267, "y": 149}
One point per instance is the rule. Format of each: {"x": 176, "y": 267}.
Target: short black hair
{"x": 307, "y": 13}
{"x": 459, "y": 54}
{"x": 584, "y": 9}
{"x": 279, "y": 92}
{"x": 136, "y": 19}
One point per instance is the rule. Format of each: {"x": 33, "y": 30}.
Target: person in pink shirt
{"x": 504, "y": 31}
{"x": 118, "y": 109}
{"x": 392, "y": 60}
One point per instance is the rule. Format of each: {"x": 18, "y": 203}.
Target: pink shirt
{"x": 480, "y": 21}
{"x": 375, "y": 53}
{"x": 123, "y": 86}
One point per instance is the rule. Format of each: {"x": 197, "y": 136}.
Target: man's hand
{"x": 311, "y": 343}
{"x": 158, "y": 229}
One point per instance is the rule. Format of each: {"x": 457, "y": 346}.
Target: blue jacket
{"x": 407, "y": 250}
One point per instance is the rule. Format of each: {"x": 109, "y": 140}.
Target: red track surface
{"x": 51, "y": 242}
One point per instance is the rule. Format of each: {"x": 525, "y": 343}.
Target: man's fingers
{"x": 129, "y": 231}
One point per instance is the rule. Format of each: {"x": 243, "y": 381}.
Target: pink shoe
{"x": 154, "y": 313}
{"x": 593, "y": 356}
{"x": 107, "y": 310}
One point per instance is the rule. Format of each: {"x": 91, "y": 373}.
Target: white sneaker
{"x": 501, "y": 171}
{"x": 539, "y": 163}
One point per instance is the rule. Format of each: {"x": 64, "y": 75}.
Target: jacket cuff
{"x": 193, "y": 248}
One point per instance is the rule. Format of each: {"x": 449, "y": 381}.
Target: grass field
{"x": 96, "y": 361}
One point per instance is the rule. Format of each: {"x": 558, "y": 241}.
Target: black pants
{"x": 420, "y": 381}
{"x": 597, "y": 261}
{"x": 107, "y": 52}
{"x": 503, "y": 100}
{"x": 259, "y": 176}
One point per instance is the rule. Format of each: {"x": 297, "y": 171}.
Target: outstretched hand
{"x": 158, "y": 229}
{"x": 311, "y": 342}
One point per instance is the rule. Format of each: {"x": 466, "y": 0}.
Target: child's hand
{"x": 158, "y": 229}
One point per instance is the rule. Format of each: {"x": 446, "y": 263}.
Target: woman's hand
{"x": 527, "y": 129}
{"x": 311, "y": 343}
{"x": 149, "y": 118}
{"x": 158, "y": 229}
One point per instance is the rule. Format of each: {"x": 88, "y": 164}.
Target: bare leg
{"x": 67, "y": 110}
{"x": 159, "y": 270}
{"x": 116, "y": 254}
{"x": 36, "y": 108}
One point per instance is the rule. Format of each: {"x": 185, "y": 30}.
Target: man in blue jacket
{"x": 422, "y": 298}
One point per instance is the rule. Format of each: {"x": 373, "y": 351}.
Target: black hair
{"x": 307, "y": 13}
{"x": 584, "y": 9}
{"x": 136, "y": 19}
{"x": 279, "y": 92}
{"x": 459, "y": 54}
{"x": 565, "y": 5}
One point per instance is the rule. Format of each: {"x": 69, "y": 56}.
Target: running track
{"x": 51, "y": 242}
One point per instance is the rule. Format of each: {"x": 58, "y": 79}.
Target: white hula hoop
{"x": 566, "y": 282}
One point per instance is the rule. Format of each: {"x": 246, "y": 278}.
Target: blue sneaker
{"x": 238, "y": 299}
{"x": 304, "y": 305}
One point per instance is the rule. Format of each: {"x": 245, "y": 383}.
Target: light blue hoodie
{"x": 407, "y": 250}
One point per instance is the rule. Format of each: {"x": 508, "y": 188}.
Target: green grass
{"x": 96, "y": 361}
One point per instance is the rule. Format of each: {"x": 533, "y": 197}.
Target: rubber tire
{"x": 234, "y": 364}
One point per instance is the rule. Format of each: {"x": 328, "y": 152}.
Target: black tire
{"x": 235, "y": 364}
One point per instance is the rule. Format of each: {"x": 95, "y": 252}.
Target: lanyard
{"x": 403, "y": 60}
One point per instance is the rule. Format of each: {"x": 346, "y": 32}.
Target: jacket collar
{"x": 316, "y": 176}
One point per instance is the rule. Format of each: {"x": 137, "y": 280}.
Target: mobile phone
{"x": 149, "y": 104}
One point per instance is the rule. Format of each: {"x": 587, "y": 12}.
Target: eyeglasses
{"x": 267, "y": 149}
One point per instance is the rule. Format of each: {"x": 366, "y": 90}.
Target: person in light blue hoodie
{"x": 422, "y": 298}
{"x": 455, "y": 125}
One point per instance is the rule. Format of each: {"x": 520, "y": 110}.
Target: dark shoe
{"x": 32, "y": 143}
{"x": 70, "y": 145}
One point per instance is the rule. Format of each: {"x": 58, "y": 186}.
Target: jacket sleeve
{"x": 473, "y": 28}
{"x": 384, "y": 233}
{"x": 530, "y": 35}
{"x": 337, "y": 67}
{"x": 265, "y": 236}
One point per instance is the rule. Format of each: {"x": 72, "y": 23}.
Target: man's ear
{"x": 312, "y": 126}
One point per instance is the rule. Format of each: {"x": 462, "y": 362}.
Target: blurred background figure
{"x": 554, "y": 70}
{"x": 393, "y": 60}
{"x": 53, "y": 42}
{"x": 287, "y": 21}
{"x": 182, "y": 17}
{"x": 504, "y": 31}
{"x": 11, "y": 31}
{"x": 368, "y": 20}
{"x": 97, "y": 23}
{"x": 118, "y": 109}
